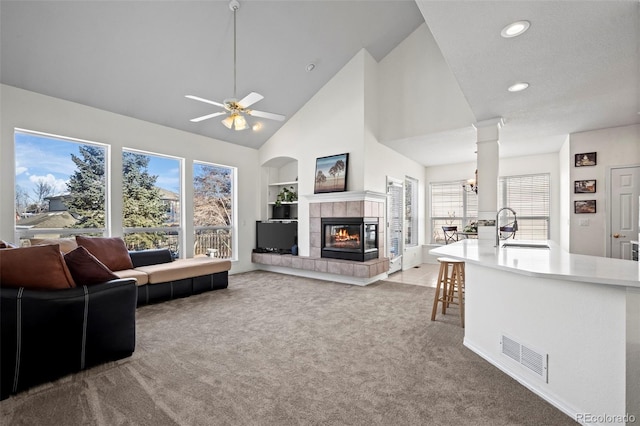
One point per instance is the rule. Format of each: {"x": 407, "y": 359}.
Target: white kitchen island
{"x": 566, "y": 326}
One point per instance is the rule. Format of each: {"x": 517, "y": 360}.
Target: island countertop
{"x": 552, "y": 262}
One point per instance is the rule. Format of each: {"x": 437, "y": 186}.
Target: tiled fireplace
{"x": 335, "y": 206}
{"x": 332, "y": 207}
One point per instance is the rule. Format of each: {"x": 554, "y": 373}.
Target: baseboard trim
{"x": 325, "y": 276}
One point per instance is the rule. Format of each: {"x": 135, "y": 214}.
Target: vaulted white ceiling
{"x": 140, "y": 58}
{"x": 581, "y": 59}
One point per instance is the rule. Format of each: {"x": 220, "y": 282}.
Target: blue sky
{"x": 41, "y": 158}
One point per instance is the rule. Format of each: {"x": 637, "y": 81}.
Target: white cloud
{"x": 21, "y": 169}
{"x": 59, "y": 185}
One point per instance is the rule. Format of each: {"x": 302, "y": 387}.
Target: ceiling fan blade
{"x": 250, "y": 99}
{"x": 206, "y": 117}
{"x": 269, "y": 115}
{"x": 207, "y": 101}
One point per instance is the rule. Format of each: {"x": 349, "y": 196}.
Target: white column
{"x": 488, "y": 135}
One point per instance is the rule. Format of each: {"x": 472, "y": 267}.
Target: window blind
{"x": 451, "y": 205}
{"x": 529, "y": 196}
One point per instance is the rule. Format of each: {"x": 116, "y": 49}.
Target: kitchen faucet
{"x": 515, "y": 223}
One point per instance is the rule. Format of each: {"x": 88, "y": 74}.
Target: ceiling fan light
{"x": 236, "y": 109}
{"x": 228, "y": 122}
{"x": 240, "y": 122}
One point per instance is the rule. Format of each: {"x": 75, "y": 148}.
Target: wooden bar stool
{"x": 451, "y": 284}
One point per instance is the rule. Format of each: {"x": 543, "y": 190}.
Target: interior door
{"x": 395, "y": 217}
{"x": 625, "y": 192}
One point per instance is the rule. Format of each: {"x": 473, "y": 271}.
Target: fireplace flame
{"x": 342, "y": 235}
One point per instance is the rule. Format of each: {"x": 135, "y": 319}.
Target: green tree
{"x": 142, "y": 205}
{"x": 87, "y": 187}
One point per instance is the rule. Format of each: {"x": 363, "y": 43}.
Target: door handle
{"x": 616, "y": 235}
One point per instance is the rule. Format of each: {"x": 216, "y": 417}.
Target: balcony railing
{"x": 214, "y": 242}
{"x": 210, "y": 241}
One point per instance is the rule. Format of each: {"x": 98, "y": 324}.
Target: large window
{"x": 213, "y": 209}
{"x": 60, "y": 186}
{"x": 528, "y": 195}
{"x": 451, "y": 205}
{"x": 411, "y": 211}
{"x": 151, "y": 201}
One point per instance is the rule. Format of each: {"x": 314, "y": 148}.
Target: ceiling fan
{"x": 235, "y": 109}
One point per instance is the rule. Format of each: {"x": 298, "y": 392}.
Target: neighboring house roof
{"x": 48, "y": 220}
{"x": 167, "y": 195}
{"x": 58, "y": 202}
{"x": 63, "y": 197}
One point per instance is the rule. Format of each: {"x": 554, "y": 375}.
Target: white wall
{"x": 382, "y": 162}
{"x": 618, "y": 146}
{"x": 32, "y": 111}
{"x": 416, "y": 66}
{"x": 564, "y": 161}
{"x": 341, "y": 117}
{"x": 330, "y": 123}
{"x": 585, "y": 345}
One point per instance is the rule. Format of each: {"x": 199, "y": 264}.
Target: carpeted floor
{"x": 280, "y": 350}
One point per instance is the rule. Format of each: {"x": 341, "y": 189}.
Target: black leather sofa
{"x": 47, "y": 334}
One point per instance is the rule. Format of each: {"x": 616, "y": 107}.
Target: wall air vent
{"x": 532, "y": 359}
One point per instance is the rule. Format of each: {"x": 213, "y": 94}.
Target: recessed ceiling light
{"x": 518, "y": 87}
{"x": 310, "y": 67}
{"x": 515, "y": 29}
{"x": 257, "y": 126}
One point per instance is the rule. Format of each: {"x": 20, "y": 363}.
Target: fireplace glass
{"x": 350, "y": 238}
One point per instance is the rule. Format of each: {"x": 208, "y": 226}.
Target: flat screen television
{"x": 276, "y": 236}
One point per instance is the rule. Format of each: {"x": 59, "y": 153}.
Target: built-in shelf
{"x": 292, "y": 206}
{"x": 284, "y": 183}
{"x": 278, "y": 174}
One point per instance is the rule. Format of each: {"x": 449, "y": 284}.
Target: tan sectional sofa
{"x": 159, "y": 277}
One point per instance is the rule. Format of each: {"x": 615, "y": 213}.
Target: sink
{"x": 525, "y": 245}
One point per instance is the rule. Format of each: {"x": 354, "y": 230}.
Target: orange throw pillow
{"x": 86, "y": 269}
{"x": 110, "y": 251}
{"x": 35, "y": 268}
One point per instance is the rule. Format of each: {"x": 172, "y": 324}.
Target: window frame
{"x": 466, "y": 217}
{"x": 28, "y": 233}
{"x": 503, "y": 202}
{"x": 411, "y": 211}
{"x": 456, "y": 220}
{"x": 233, "y": 227}
{"x": 169, "y": 230}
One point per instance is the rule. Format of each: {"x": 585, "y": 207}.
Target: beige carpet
{"x": 279, "y": 350}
